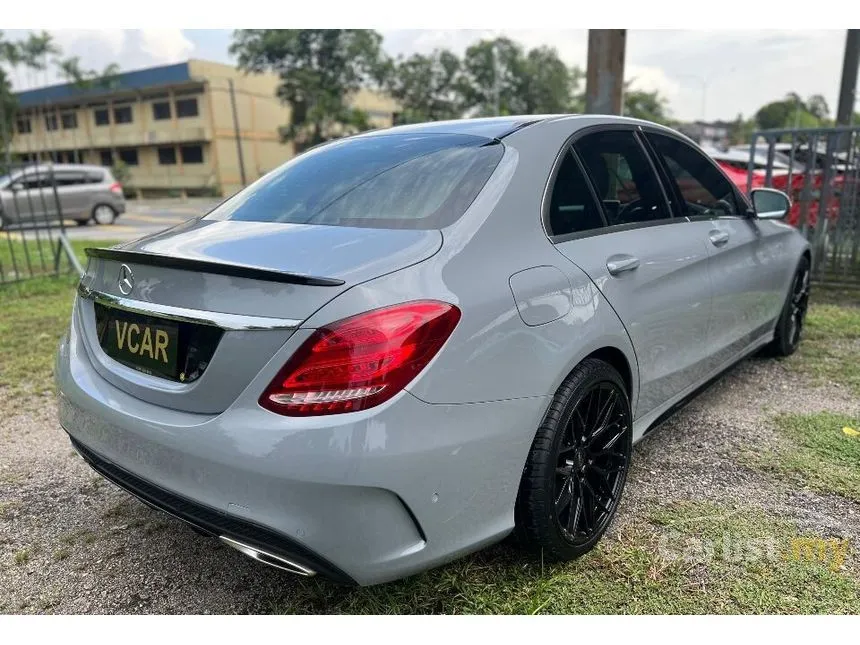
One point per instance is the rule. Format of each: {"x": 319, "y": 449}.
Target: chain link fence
{"x": 818, "y": 169}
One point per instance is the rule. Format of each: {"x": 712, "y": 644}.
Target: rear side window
{"x": 704, "y": 189}
{"x": 70, "y": 178}
{"x": 415, "y": 181}
{"x": 572, "y": 208}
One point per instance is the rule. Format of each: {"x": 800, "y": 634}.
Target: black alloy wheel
{"x": 789, "y": 327}
{"x": 591, "y": 464}
{"x": 578, "y": 463}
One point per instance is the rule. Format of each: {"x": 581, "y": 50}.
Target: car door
{"x": 617, "y": 226}
{"x": 744, "y": 262}
{"x": 75, "y": 191}
{"x": 25, "y": 201}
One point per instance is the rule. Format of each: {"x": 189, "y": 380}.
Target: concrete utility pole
{"x": 848, "y": 87}
{"x": 604, "y": 78}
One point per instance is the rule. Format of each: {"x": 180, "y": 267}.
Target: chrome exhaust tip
{"x": 268, "y": 558}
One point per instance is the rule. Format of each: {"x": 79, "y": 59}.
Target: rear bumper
{"x": 365, "y": 497}
{"x": 210, "y": 520}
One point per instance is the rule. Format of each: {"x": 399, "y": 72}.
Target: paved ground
{"x": 72, "y": 543}
{"x": 142, "y": 218}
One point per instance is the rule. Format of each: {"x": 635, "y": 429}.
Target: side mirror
{"x": 769, "y": 203}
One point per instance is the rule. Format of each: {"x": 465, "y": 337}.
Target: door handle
{"x": 621, "y": 263}
{"x": 718, "y": 238}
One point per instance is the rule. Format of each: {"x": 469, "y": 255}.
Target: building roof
{"x": 125, "y": 81}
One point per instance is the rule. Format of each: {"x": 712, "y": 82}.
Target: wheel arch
{"x": 617, "y": 359}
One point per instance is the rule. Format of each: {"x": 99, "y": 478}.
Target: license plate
{"x": 139, "y": 342}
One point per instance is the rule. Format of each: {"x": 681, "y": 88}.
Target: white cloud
{"x": 166, "y": 45}
{"x": 98, "y": 48}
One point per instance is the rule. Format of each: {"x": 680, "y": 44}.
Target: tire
{"x": 789, "y": 327}
{"x": 103, "y": 214}
{"x": 563, "y": 463}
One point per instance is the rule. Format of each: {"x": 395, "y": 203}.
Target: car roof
{"x": 498, "y": 127}
{"x": 58, "y": 166}
{"x": 494, "y": 127}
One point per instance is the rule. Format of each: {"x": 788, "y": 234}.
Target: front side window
{"x": 623, "y": 178}
{"x": 704, "y": 190}
{"x": 413, "y": 181}
{"x": 572, "y": 208}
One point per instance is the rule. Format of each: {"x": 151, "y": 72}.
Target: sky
{"x": 714, "y": 74}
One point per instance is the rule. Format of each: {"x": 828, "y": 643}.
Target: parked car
{"x": 802, "y": 184}
{"x": 402, "y": 346}
{"x": 83, "y": 193}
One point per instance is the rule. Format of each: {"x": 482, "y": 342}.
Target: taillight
{"x": 361, "y": 361}
{"x": 116, "y": 187}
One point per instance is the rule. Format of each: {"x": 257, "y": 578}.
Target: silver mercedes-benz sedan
{"x": 405, "y": 345}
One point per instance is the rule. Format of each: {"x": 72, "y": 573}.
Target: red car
{"x": 736, "y": 164}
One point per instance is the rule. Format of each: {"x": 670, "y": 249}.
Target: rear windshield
{"x": 415, "y": 181}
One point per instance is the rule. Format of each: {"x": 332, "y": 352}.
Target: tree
{"x": 500, "y": 77}
{"x": 650, "y": 106}
{"x": 491, "y": 77}
{"x": 425, "y": 86}
{"x": 793, "y": 112}
{"x": 548, "y": 84}
{"x": 319, "y": 69}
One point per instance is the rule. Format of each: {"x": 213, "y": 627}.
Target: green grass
{"x": 817, "y": 453}
{"x": 830, "y": 350}
{"x": 638, "y": 571}
{"x": 14, "y": 254}
{"x": 34, "y": 314}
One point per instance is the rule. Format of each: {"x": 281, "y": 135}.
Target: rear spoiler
{"x": 208, "y": 266}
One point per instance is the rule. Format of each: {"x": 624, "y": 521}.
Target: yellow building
{"x": 173, "y": 126}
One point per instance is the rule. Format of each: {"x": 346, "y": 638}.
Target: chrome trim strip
{"x": 228, "y": 322}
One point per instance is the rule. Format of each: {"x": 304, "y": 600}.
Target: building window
{"x": 186, "y": 108}
{"x": 102, "y": 116}
{"x": 106, "y": 157}
{"x": 192, "y": 154}
{"x": 167, "y": 156}
{"x": 161, "y": 111}
{"x": 50, "y": 121}
{"x": 69, "y": 121}
{"x": 24, "y": 126}
{"x": 122, "y": 114}
{"x": 128, "y": 156}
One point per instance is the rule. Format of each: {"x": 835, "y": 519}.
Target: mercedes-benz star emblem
{"x": 126, "y": 280}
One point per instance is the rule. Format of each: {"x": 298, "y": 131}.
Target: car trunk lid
{"x": 229, "y": 293}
